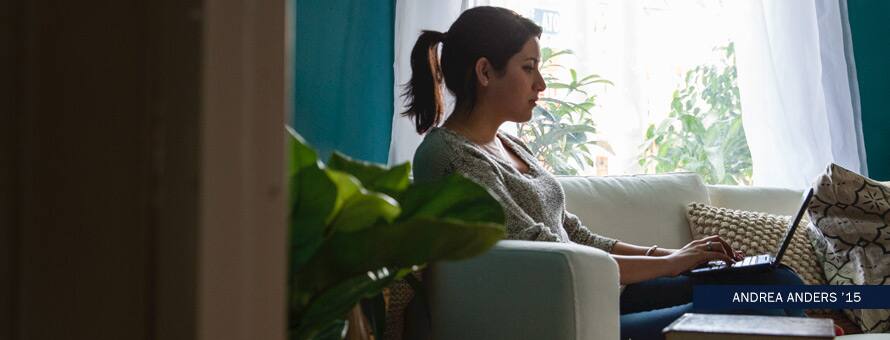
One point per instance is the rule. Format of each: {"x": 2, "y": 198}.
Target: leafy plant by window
{"x": 356, "y": 227}
{"x": 562, "y": 132}
{"x": 703, "y": 132}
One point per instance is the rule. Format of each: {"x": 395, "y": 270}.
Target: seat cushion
{"x": 639, "y": 209}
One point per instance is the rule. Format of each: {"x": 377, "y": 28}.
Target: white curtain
{"x": 412, "y": 17}
{"x": 800, "y": 102}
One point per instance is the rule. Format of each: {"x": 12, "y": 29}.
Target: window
{"x": 637, "y": 87}
{"x": 796, "y": 83}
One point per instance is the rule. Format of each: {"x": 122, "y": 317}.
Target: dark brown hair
{"x": 481, "y": 32}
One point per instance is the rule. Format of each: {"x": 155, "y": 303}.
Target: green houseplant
{"x": 703, "y": 132}
{"x": 356, "y": 227}
{"x": 562, "y": 131}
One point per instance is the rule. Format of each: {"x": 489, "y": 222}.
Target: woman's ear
{"x": 484, "y": 71}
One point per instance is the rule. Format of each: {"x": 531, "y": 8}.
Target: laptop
{"x": 763, "y": 262}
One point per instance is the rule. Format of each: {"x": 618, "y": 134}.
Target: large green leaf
{"x": 347, "y": 186}
{"x": 343, "y": 225}
{"x": 421, "y": 240}
{"x": 314, "y": 196}
{"x": 357, "y": 208}
{"x": 301, "y": 155}
{"x": 364, "y": 209}
{"x": 453, "y": 197}
{"x": 399, "y": 245}
{"x": 336, "y": 302}
{"x": 374, "y": 177}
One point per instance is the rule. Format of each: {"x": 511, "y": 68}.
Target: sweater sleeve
{"x": 520, "y": 226}
{"x": 578, "y": 233}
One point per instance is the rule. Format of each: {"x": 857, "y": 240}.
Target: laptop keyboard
{"x": 747, "y": 261}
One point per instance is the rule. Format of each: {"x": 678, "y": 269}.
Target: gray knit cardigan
{"x": 533, "y": 202}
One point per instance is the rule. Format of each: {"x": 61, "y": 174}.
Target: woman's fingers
{"x": 712, "y": 243}
{"x": 738, "y": 255}
{"x": 716, "y": 255}
{"x": 707, "y": 256}
{"x": 714, "y": 250}
{"x": 727, "y": 249}
{"x": 725, "y": 258}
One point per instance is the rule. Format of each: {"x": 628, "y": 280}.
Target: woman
{"x": 490, "y": 59}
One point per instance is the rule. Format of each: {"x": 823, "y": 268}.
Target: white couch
{"x": 543, "y": 290}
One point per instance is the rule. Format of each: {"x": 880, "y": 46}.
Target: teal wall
{"x": 870, "y": 30}
{"x": 343, "y": 76}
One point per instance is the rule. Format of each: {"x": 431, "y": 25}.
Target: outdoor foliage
{"x": 356, "y": 227}
{"x": 703, "y": 132}
{"x": 562, "y": 132}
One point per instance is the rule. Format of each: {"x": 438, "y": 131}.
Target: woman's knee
{"x": 781, "y": 275}
{"x": 786, "y": 276}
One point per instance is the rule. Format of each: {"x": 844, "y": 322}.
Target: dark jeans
{"x": 649, "y": 306}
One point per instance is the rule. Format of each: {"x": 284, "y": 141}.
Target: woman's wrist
{"x": 651, "y": 251}
{"x": 621, "y": 248}
{"x": 657, "y": 251}
{"x": 663, "y": 252}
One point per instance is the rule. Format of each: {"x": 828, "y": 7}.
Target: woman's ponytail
{"x": 493, "y": 33}
{"x": 424, "y": 91}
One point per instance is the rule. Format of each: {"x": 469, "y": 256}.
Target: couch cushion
{"x": 775, "y": 201}
{"x": 639, "y": 209}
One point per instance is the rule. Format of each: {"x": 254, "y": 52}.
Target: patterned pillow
{"x": 756, "y": 233}
{"x": 852, "y": 214}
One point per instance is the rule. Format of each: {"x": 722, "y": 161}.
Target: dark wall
{"x": 870, "y": 30}
{"x": 99, "y": 128}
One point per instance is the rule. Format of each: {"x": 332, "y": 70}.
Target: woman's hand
{"x": 701, "y": 251}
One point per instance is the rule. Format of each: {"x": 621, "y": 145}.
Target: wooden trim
{"x": 242, "y": 219}
{"x": 11, "y": 40}
{"x": 142, "y": 170}
{"x": 175, "y": 137}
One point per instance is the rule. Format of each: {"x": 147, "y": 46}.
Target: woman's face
{"x": 515, "y": 92}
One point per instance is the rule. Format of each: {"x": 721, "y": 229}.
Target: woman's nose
{"x": 539, "y": 84}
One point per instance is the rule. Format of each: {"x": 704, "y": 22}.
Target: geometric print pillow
{"x": 851, "y": 238}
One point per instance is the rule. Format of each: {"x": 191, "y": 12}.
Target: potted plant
{"x": 356, "y": 227}
{"x": 703, "y": 132}
{"x": 562, "y": 131}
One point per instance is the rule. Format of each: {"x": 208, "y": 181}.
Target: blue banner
{"x": 804, "y": 297}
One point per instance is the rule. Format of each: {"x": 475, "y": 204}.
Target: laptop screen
{"x": 807, "y": 196}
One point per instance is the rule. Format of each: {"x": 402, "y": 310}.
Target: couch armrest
{"x": 526, "y": 290}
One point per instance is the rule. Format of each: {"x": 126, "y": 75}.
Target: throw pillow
{"x": 852, "y": 214}
{"x": 756, "y": 233}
